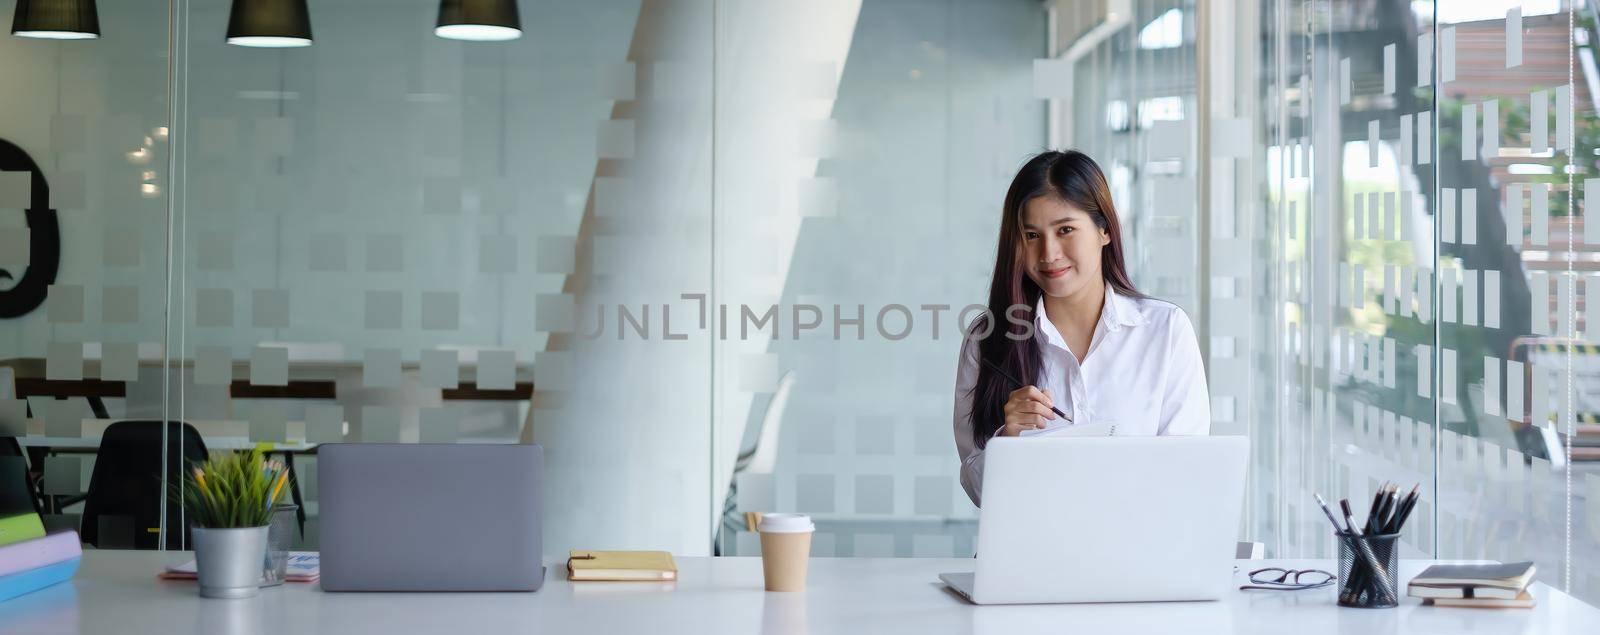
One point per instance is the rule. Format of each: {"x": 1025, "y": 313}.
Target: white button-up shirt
{"x": 1143, "y": 373}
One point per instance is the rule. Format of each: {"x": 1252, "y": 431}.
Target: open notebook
{"x": 1062, "y": 429}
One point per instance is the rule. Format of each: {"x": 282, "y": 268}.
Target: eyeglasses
{"x": 1279, "y": 579}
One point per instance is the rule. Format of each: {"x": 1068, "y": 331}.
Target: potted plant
{"x": 230, "y": 499}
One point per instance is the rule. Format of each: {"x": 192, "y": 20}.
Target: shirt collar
{"x": 1118, "y": 311}
{"x": 1121, "y": 310}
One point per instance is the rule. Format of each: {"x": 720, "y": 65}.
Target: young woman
{"x": 1064, "y": 317}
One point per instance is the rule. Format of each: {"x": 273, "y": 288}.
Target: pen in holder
{"x": 1367, "y": 567}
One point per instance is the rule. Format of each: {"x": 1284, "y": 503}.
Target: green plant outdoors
{"x": 233, "y": 490}
{"x": 1517, "y": 120}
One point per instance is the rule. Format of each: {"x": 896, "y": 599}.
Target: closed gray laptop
{"x": 424, "y": 517}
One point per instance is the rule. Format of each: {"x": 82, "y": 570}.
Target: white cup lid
{"x": 785, "y": 524}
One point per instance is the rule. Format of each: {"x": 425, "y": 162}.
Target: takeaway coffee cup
{"x": 785, "y": 550}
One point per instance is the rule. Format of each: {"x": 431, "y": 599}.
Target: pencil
{"x": 1386, "y": 508}
{"x": 1372, "y": 514}
{"x": 1405, "y": 509}
{"x": 283, "y": 475}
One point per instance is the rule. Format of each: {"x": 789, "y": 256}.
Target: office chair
{"x": 127, "y": 485}
{"x": 10, "y": 448}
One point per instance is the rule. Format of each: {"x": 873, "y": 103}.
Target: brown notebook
{"x": 621, "y": 565}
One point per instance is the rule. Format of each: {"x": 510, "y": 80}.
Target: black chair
{"x": 123, "y": 507}
{"x": 14, "y": 461}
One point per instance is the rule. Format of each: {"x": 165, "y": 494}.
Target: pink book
{"x": 39, "y": 552}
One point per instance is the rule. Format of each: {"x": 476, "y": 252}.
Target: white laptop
{"x": 1107, "y": 519}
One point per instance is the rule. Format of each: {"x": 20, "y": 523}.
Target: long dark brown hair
{"x": 1073, "y": 178}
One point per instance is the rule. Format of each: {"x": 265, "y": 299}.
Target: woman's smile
{"x": 1056, "y": 273}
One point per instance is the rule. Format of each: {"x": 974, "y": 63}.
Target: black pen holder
{"x": 1369, "y": 568}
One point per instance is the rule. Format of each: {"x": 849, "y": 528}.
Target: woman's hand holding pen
{"x": 1028, "y": 409}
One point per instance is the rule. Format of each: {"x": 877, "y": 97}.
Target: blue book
{"x": 34, "y": 579}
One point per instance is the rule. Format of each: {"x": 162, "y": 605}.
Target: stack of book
{"x": 1475, "y": 585}
{"x": 31, "y": 560}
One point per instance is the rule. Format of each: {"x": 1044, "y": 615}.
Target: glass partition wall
{"x": 1391, "y": 252}
{"x": 374, "y": 238}
{"x": 85, "y": 195}
{"x": 392, "y": 237}
{"x": 713, "y": 255}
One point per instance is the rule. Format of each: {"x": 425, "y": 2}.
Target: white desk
{"x": 117, "y": 592}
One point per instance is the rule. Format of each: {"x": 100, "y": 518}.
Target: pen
{"x": 1349, "y": 518}
{"x": 1019, "y": 384}
{"x": 1328, "y": 512}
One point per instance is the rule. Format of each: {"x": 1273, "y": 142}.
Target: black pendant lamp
{"x": 56, "y": 20}
{"x": 269, "y": 23}
{"x": 479, "y": 20}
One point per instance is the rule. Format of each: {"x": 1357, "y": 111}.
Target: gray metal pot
{"x": 229, "y": 561}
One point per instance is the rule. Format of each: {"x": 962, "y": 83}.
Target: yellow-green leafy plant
{"x": 233, "y": 490}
